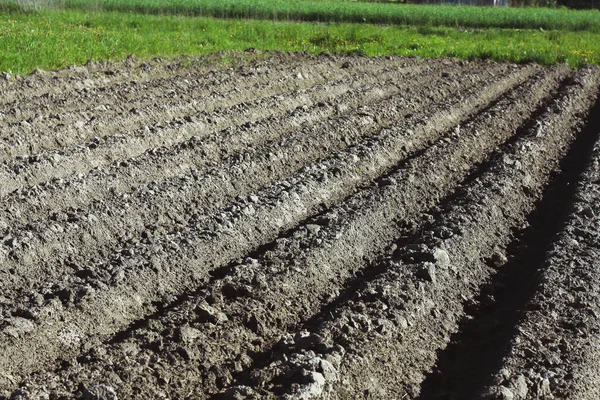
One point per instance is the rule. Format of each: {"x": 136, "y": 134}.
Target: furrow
{"x": 101, "y": 87}
{"x": 95, "y": 76}
{"x": 562, "y": 296}
{"x": 90, "y": 232}
{"x": 415, "y": 298}
{"x": 102, "y": 75}
{"x": 98, "y": 151}
{"x": 258, "y": 300}
{"x": 67, "y": 84}
{"x": 175, "y": 101}
{"x": 157, "y": 164}
{"x": 108, "y": 299}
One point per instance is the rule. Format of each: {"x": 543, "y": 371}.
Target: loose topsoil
{"x": 298, "y": 226}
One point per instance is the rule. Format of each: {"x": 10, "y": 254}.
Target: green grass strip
{"x": 356, "y": 12}
{"x": 53, "y": 39}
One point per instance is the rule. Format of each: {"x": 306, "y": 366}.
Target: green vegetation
{"x": 357, "y": 12}
{"x": 59, "y": 33}
{"x": 52, "y": 39}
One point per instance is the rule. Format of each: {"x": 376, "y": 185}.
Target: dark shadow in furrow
{"x": 220, "y": 272}
{"x": 375, "y": 268}
{"x": 527, "y": 126}
{"x": 215, "y": 275}
{"x": 223, "y": 271}
{"x": 477, "y": 349}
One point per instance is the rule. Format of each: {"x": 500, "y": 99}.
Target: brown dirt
{"x": 296, "y": 226}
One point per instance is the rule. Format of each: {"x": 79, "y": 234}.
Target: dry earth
{"x": 295, "y": 226}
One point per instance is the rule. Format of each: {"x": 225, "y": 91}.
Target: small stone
{"x": 239, "y": 393}
{"x": 544, "y": 391}
{"x": 305, "y": 340}
{"x": 313, "y": 229}
{"x": 384, "y": 326}
{"x": 234, "y": 290}
{"x": 402, "y": 322}
{"x": 346, "y": 65}
{"x": 427, "y": 272}
{"x": 314, "y": 377}
{"x": 328, "y": 370}
{"x": 100, "y": 392}
{"x": 188, "y": 335}
{"x": 507, "y": 159}
{"x": 314, "y": 382}
{"x": 286, "y": 341}
{"x": 253, "y": 198}
{"x": 498, "y": 259}
{"x": 441, "y": 258}
{"x": 207, "y": 313}
{"x": 505, "y": 393}
{"x": 504, "y": 373}
{"x": 249, "y": 210}
{"x": 519, "y": 387}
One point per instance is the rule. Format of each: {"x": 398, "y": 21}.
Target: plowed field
{"x": 300, "y": 227}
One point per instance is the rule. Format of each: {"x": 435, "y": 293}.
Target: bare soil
{"x": 297, "y": 226}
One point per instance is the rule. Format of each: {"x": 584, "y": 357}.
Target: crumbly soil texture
{"x": 292, "y": 226}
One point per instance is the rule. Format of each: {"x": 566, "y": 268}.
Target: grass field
{"x": 77, "y": 31}
{"x": 357, "y": 12}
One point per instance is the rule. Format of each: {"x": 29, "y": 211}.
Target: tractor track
{"x": 333, "y": 214}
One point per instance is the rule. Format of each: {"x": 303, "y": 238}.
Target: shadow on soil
{"x": 477, "y": 349}
{"x": 374, "y": 268}
{"x": 227, "y": 269}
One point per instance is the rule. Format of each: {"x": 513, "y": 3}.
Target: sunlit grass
{"x": 356, "y": 12}
{"x": 53, "y": 39}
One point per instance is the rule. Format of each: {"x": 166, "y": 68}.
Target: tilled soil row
{"x": 96, "y": 230}
{"x": 141, "y": 86}
{"x": 77, "y": 191}
{"x": 260, "y": 299}
{"x": 416, "y": 298}
{"x": 121, "y": 289}
{"x": 323, "y": 236}
{"x": 92, "y": 151}
{"x": 562, "y": 360}
{"x": 106, "y": 74}
{"x": 103, "y": 76}
{"x": 202, "y": 100}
